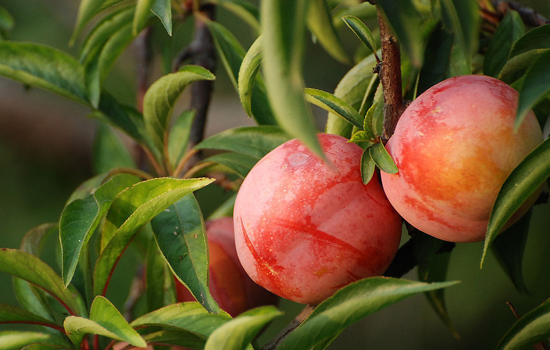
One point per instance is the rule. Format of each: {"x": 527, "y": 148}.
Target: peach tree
{"x": 401, "y": 50}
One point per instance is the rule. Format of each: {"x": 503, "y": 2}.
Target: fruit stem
{"x": 390, "y": 76}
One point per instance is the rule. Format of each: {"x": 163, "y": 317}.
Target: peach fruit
{"x": 229, "y": 284}
{"x": 454, "y": 147}
{"x": 305, "y": 229}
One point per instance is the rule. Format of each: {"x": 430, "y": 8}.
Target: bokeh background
{"x": 45, "y": 152}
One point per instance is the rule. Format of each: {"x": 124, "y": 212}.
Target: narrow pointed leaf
{"x": 364, "y": 10}
{"x": 104, "y": 320}
{"x": 405, "y": 21}
{"x": 524, "y": 180}
{"x": 351, "y": 89}
{"x": 86, "y": 11}
{"x": 383, "y": 159}
{"x": 529, "y": 330}
{"x": 163, "y": 10}
{"x": 377, "y": 119}
{"x": 351, "y": 304}
{"x": 109, "y": 152}
{"x": 362, "y": 136}
{"x": 179, "y": 136}
{"x": 180, "y": 235}
{"x": 510, "y": 29}
{"x": 334, "y": 105}
{"x": 247, "y": 74}
{"x": 81, "y": 217}
{"x": 517, "y": 64}
{"x": 239, "y": 332}
{"x": 43, "y": 67}
{"x": 509, "y": 248}
{"x": 12, "y": 314}
{"x": 283, "y": 28}
{"x": 143, "y": 12}
{"x": 232, "y": 54}
{"x": 319, "y": 23}
{"x": 31, "y": 269}
{"x": 256, "y": 141}
{"x": 462, "y": 16}
{"x": 16, "y": 340}
{"x": 535, "y": 86}
{"x": 98, "y": 68}
{"x": 160, "y": 98}
{"x": 190, "y": 316}
{"x": 245, "y": 10}
{"x": 362, "y": 31}
{"x": 132, "y": 209}
{"x": 367, "y": 167}
{"x": 239, "y": 163}
{"x": 42, "y": 346}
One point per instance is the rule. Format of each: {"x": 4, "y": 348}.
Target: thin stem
{"x": 390, "y": 76}
{"x": 179, "y": 168}
{"x": 195, "y": 169}
{"x": 290, "y": 328}
{"x": 139, "y": 173}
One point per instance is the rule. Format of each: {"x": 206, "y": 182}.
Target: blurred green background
{"x": 45, "y": 152}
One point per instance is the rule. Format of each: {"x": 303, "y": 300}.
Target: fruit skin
{"x": 304, "y": 229}
{"x": 454, "y": 147}
{"x": 229, "y": 284}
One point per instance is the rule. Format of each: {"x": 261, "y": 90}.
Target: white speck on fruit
{"x": 297, "y": 159}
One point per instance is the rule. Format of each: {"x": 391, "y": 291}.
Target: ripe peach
{"x": 305, "y": 229}
{"x": 454, "y": 147}
{"x": 229, "y": 284}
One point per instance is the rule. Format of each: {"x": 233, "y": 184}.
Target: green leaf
{"x": 163, "y": 10}
{"x": 245, "y": 10}
{"x": 247, "y": 74}
{"x": 87, "y": 10}
{"x": 376, "y": 118}
{"x": 319, "y": 23}
{"x": 33, "y": 270}
{"x": 159, "y": 100}
{"x": 462, "y": 17}
{"x": 283, "y": 28}
{"x": 362, "y": 136}
{"x": 515, "y": 65}
{"x": 529, "y": 330}
{"x": 142, "y": 15}
{"x": 225, "y": 209}
{"x": 239, "y": 332}
{"x": 363, "y": 10}
{"x": 99, "y": 65}
{"x": 232, "y": 54}
{"x": 239, "y": 163}
{"x": 362, "y": 31}
{"x": 535, "y": 39}
{"x": 406, "y": 22}
{"x": 6, "y": 20}
{"x": 255, "y": 141}
{"x": 179, "y": 136}
{"x": 524, "y": 180}
{"x": 509, "y": 247}
{"x": 383, "y": 159}
{"x": 352, "y": 89}
{"x": 511, "y": 28}
{"x": 351, "y": 304}
{"x": 12, "y": 314}
{"x": 42, "y": 346}
{"x": 190, "y": 316}
{"x": 43, "y": 67}
{"x": 131, "y": 209}
{"x": 176, "y": 338}
{"x": 436, "y": 59}
{"x": 160, "y": 290}
{"x": 334, "y": 105}
{"x": 16, "y": 340}
{"x": 180, "y": 235}
{"x": 105, "y": 320}
{"x": 81, "y": 217}
{"x": 535, "y": 87}
{"x": 109, "y": 152}
{"x": 367, "y": 166}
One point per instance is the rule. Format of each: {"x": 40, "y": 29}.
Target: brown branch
{"x": 390, "y": 77}
{"x": 201, "y": 51}
{"x": 529, "y": 16}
